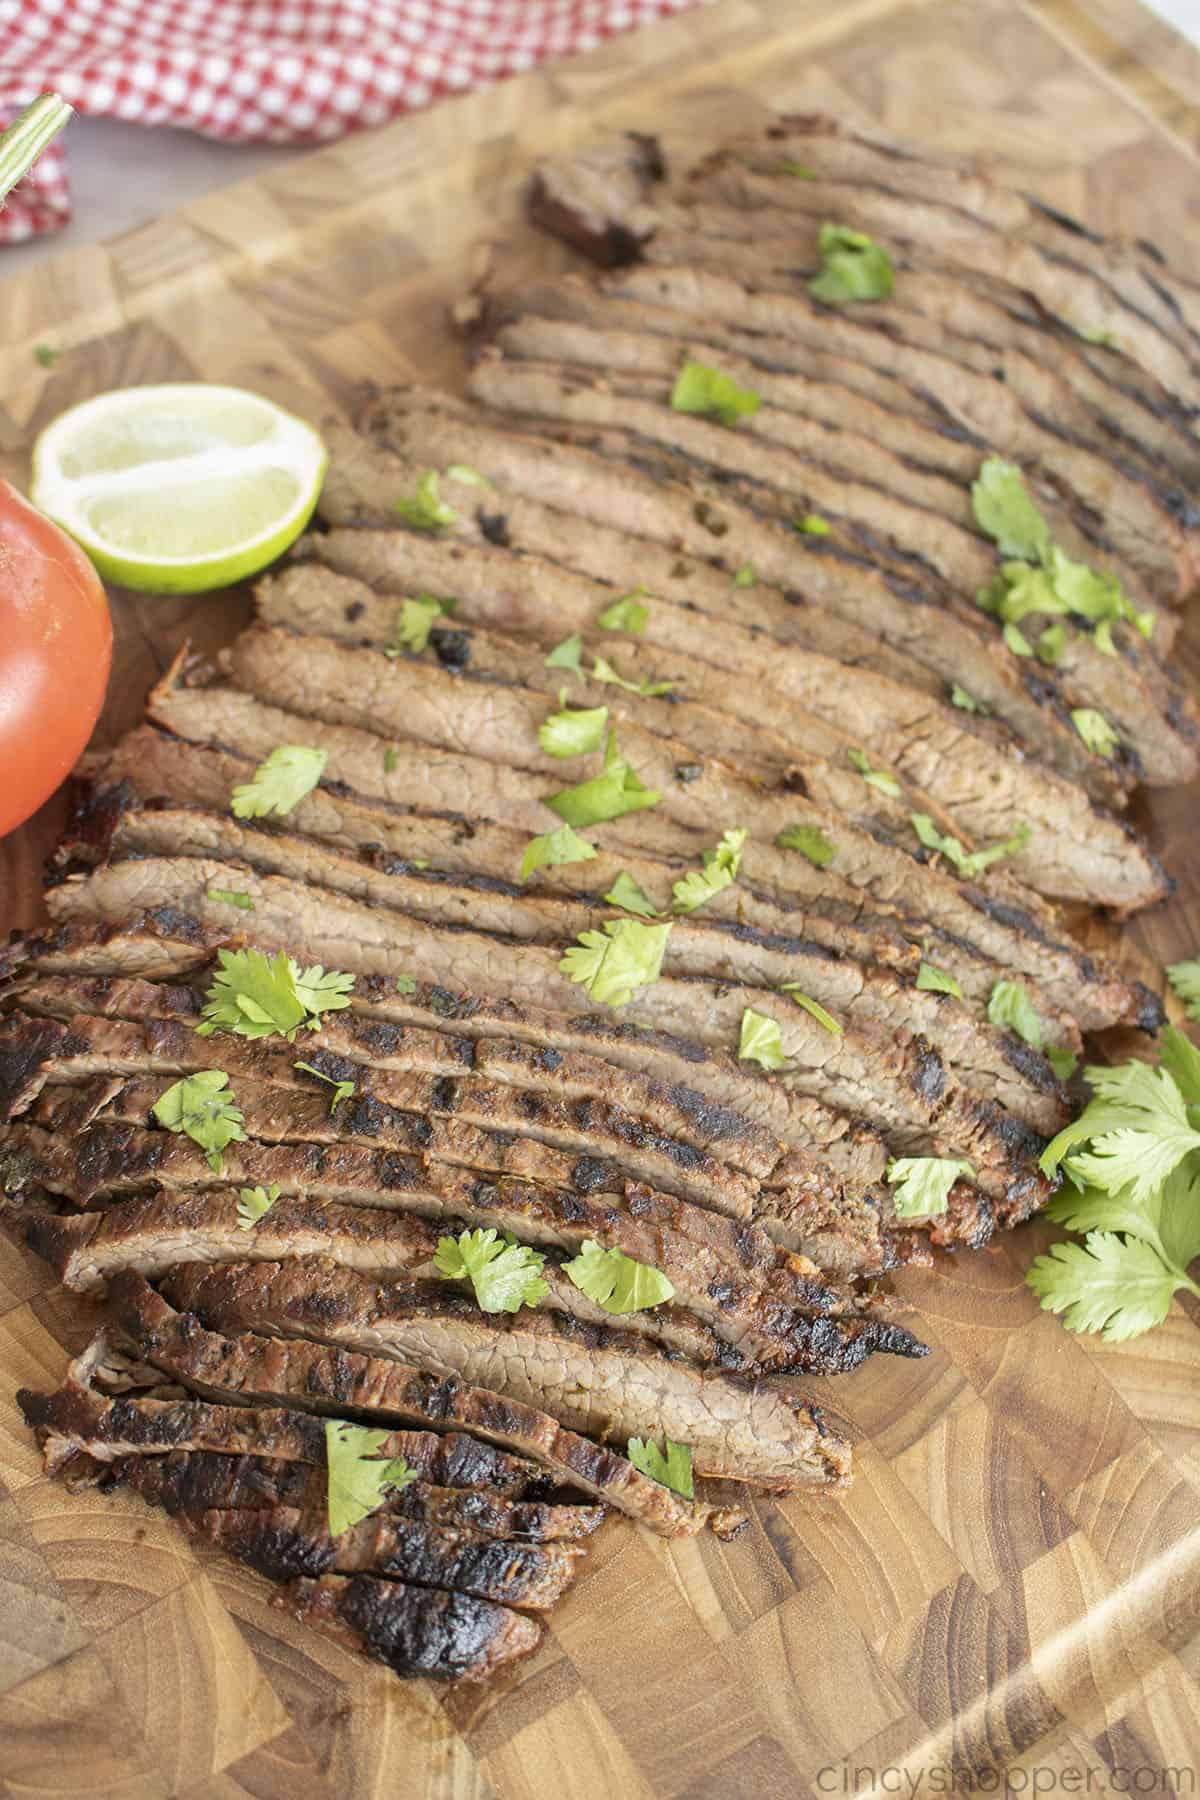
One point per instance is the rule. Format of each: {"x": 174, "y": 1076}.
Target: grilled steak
{"x": 74, "y": 1418}
{"x": 415, "y": 1631}
{"x": 595, "y": 1380}
{"x": 196, "y": 1482}
{"x": 342, "y": 1384}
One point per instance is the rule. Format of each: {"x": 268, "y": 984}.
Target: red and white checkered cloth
{"x": 276, "y": 71}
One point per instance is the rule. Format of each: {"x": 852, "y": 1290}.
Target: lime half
{"x": 178, "y": 489}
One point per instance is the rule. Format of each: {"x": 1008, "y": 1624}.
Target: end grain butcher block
{"x": 1011, "y": 1582}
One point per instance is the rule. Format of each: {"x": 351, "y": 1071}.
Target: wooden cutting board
{"x": 1014, "y": 1581}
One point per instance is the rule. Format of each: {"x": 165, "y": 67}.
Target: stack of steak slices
{"x": 917, "y": 798}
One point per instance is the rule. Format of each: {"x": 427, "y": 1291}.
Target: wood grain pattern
{"x": 1012, "y": 1582}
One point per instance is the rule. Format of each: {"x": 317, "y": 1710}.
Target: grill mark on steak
{"x": 603, "y": 1381}
{"x": 414, "y": 1631}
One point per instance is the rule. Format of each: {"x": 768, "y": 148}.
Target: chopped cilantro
{"x": 414, "y": 622}
{"x": 760, "y": 1040}
{"x": 935, "y": 981}
{"x": 810, "y": 841}
{"x": 968, "y": 863}
{"x": 425, "y": 510}
{"x": 923, "y": 1184}
{"x": 876, "y": 778}
{"x": 627, "y": 614}
{"x": 202, "y": 1107}
{"x": 505, "y": 1276}
{"x": 1004, "y": 510}
{"x": 614, "y": 963}
{"x": 279, "y": 783}
{"x": 719, "y": 871}
{"x": 744, "y": 577}
{"x": 812, "y": 525}
{"x": 672, "y": 1470}
{"x": 615, "y": 1281}
{"x": 255, "y": 996}
{"x": 818, "y": 1012}
{"x": 853, "y": 267}
{"x": 567, "y": 655}
{"x": 573, "y": 731}
{"x": 609, "y": 795}
{"x": 253, "y": 1203}
{"x": 631, "y": 898}
{"x": 231, "y": 897}
{"x": 603, "y": 671}
{"x": 342, "y": 1090}
{"x": 359, "y": 1481}
{"x": 699, "y": 389}
{"x": 1095, "y": 731}
{"x": 554, "y": 848}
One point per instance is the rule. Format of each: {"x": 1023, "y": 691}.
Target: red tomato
{"x": 55, "y": 654}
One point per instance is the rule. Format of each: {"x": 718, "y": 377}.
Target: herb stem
{"x": 25, "y": 139}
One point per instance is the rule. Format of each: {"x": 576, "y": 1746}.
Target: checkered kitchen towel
{"x": 276, "y": 71}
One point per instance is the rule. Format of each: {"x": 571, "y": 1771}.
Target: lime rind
{"x": 137, "y": 476}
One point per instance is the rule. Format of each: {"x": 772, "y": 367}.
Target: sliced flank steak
{"x": 601, "y": 1380}
{"x": 894, "y": 1076}
{"x": 196, "y": 1482}
{"x": 695, "y": 518}
{"x": 416, "y": 1632}
{"x": 788, "y": 1442}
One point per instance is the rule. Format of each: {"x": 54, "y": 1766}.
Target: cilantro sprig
{"x": 414, "y": 622}
{"x": 968, "y": 863}
{"x": 425, "y": 510}
{"x": 359, "y": 1480}
{"x": 1133, "y": 1158}
{"x": 254, "y": 1203}
{"x": 504, "y": 1276}
{"x": 876, "y": 778}
{"x": 256, "y": 996}
{"x": 342, "y": 1090}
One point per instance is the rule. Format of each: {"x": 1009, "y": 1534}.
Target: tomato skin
{"x": 55, "y": 656}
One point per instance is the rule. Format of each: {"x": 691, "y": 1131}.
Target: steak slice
{"x": 602, "y": 1381}
{"x": 984, "y": 787}
{"x": 416, "y": 1631}
{"x": 1131, "y": 689}
{"x": 783, "y": 1319}
{"x": 994, "y": 918}
{"x": 994, "y": 1063}
{"x": 195, "y": 1482}
{"x": 282, "y": 1542}
{"x": 342, "y": 1384}
{"x": 75, "y": 1418}
{"x": 690, "y": 522}
{"x": 898, "y": 1078}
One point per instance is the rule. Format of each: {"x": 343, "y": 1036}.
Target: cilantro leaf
{"x": 800, "y": 170}
{"x": 1093, "y": 595}
{"x": 812, "y": 525}
{"x": 810, "y": 841}
{"x": 391, "y": 760}
{"x": 818, "y": 1012}
{"x": 615, "y": 1281}
{"x": 603, "y": 671}
{"x": 744, "y": 577}
{"x": 933, "y": 980}
{"x": 202, "y": 1106}
{"x": 699, "y": 389}
{"x": 342, "y": 1090}
{"x": 626, "y": 894}
{"x": 359, "y": 1481}
{"x": 1184, "y": 978}
{"x": 1051, "y": 644}
{"x": 626, "y": 614}
{"x": 853, "y": 267}
{"x": 1004, "y": 510}
{"x": 255, "y": 996}
{"x": 968, "y": 863}
{"x": 574, "y": 731}
{"x": 674, "y": 1470}
{"x": 1016, "y": 640}
{"x": 1181, "y": 1060}
{"x": 876, "y": 778}
{"x": 279, "y": 783}
{"x": 405, "y": 984}
{"x": 1095, "y": 731}
{"x": 467, "y": 475}
{"x": 1018, "y": 590}
{"x": 761, "y": 1040}
{"x": 414, "y": 622}
{"x": 1119, "y": 1287}
{"x": 720, "y": 871}
{"x": 253, "y": 1202}
{"x": 231, "y": 897}
{"x": 567, "y": 655}
{"x": 425, "y": 510}
{"x": 960, "y": 697}
{"x": 1137, "y": 1125}
{"x": 923, "y": 1184}
{"x": 606, "y": 796}
{"x": 45, "y": 355}
{"x": 1010, "y": 1007}
{"x": 504, "y": 1276}
{"x": 553, "y": 848}
{"x": 613, "y": 963}
{"x": 1064, "y": 1062}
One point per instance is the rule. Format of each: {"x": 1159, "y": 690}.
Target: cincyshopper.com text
{"x": 1080, "y": 1778}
